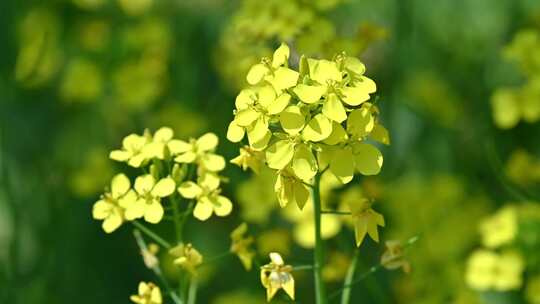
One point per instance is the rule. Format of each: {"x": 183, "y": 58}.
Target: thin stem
{"x": 177, "y": 221}
{"x": 217, "y": 257}
{"x": 335, "y": 212}
{"x": 302, "y": 267}
{"x": 346, "y": 296}
{"x": 156, "y": 269}
{"x": 152, "y": 235}
{"x": 192, "y": 293}
{"x": 320, "y": 291}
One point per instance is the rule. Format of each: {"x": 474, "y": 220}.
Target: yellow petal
{"x": 164, "y": 134}
{"x": 506, "y": 111}
{"x": 288, "y": 284}
{"x": 213, "y": 162}
{"x": 177, "y": 146}
{"x": 256, "y": 73}
{"x": 154, "y": 149}
{"x": 261, "y": 144}
{"x": 279, "y": 104}
{"x": 318, "y": 128}
{"x": 337, "y": 136}
{"x": 155, "y": 296}
{"x": 354, "y": 65}
{"x": 266, "y": 96}
{"x": 258, "y": 130}
{"x": 246, "y": 117}
{"x": 153, "y": 212}
{"x": 280, "y": 154}
{"x": 207, "y": 142}
{"x": 284, "y": 78}
{"x": 235, "y": 133}
{"x": 276, "y": 258}
{"x": 189, "y": 189}
{"x": 380, "y": 134}
{"x": 360, "y": 122}
{"x": 368, "y": 159}
{"x": 164, "y": 187}
{"x": 144, "y": 184}
{"x": 134, "y": 142}
{"x": 120, "y": 184}
{"x": 281, "y": 55}
{"x": 111, "y": 223}
{"x": 187, "y": 157}
{"x": 333, "y": 108}
{"x": 135, "y": 210}
{"x": 120, "y": 155}
{"x": 209, "y": 181}
{"x": 360, "y": 231}
{"x": 301, "y": 194}
{"x": 245, "y": 98}
{"x": 309, "y": 94}
{"x": 304, "y": 163}
{"x": 101, "y": 210}
{"x": 292, "y": 120}
{"x": 354, "y": 96}
{"x": 223, "y": 206}
{"x": 323, "y": 70}
{"x": 203, "y": 210}
{"x": 342, "y": 164}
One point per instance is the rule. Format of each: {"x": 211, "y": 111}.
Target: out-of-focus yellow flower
{"x": 132, "y": 150}
{"x": 523, "y": 168}
{"x": 290, "y": 189}
{"x": 365, "y": 220}
{"x": 187, "y": 257}
{"x": 207, "y": 193}
{"x": 135, "y": 7}
{"x": 149, "y": 293}
{"x": 89, "y": 4}
{"x": 532, "y": 292}
{"x": 276, "y": 275}
{"x": 200, "y": 151}
{"x": 149, "y": 193}
{"x": 393, "y": 258}
{"x": 241, "y": 246}
{"x": 149, "y": 255}
{"x": 108, "y": 208}
{"x": 488, "y": 270}
{"x": 336, "y": 268}
{"x": 274, "y": 240}
{"x": 249, "y": 158}
{"x": 39, "y": 56}
{"x": 501, "y": 228}
{"x": 80, "y": 71}
{"x": 260, "y": 187}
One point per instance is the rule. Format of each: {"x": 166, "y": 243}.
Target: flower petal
{"x": 256, "y": 73}
{"x": 223, "y": 206}
{"x": 279, "y": 104}
{"x": 292, "y": 120}
{"x": 284, "y": 78}
{"x": 189, "y": 190}
{"x": 342, "y": 164}
{"x": 368, "y": 159}
{"x": 360, "y": 122}
{"x": 164, "y": 187}
{"x": 213, "y": 162}
{"x": 235, "y": 133}
{"x": 207, "y": 142}
{"x": 281, "y": 55}
{"x": 304, "y": 163}
{"x": 153, "y": 212}
{"x": 318, "y": 128}
{"x": 144, "y": 184}
{"x": 280, "y": 154}
{"x": 112, "y": 223}
{"x": 101, "y": 210}
{"x": 334, "y": 109}
{"x": 120, "y": 184}
{"x": 323, "y": 70}
{"x": 309, "y": 93}
{"x": 164, "y": 134}
{"x": 203, "y": 210}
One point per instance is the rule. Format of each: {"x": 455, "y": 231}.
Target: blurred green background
{"x": 458, "y": 87}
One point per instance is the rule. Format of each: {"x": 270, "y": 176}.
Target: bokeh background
{"x": 458, "y": 87}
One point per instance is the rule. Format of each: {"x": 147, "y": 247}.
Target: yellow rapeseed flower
{"x": 501, "y": 228}
{"x": 187, "y": 257}
{"x": 393, "y": 258}
{"x": 148, "y": 293}
{"x": 132, "y": 150}
{"x": 207, "y": 193}
{"x": 276, "y": 275}
{"x": 487, "y": 270}
{"x": 241, "y": 246}
{"x": 200, "y": 151}
{"x": 149, "y": 195}
{"x": 365, "y": 220}
{"x": 109, "y": 207}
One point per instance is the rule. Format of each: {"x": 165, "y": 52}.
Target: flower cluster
{"x": 169, "y": 165}
{"x": 511, "y": 104}
{"x": 308, "y": 121}
{"x": 241, "y": 246}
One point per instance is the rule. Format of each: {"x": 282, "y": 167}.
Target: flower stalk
{"x": 320, "y": 290}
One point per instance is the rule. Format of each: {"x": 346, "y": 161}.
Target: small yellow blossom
{"x": 290, "y": 189}
{"x": 392, "y": 257}
{"x": 249, "y": 158}
{"x": 149, "y": 293}
{"x": 132, "y": 150}
{"x": 499, "y": 229}
{"x": 487, "y": 270}
{"x": 163, "y": 145}
{"x": 365, "y": 220}
{"x": 207, "y": 193}
{"x": 108, "y": 208}
{"x": 241, "y": 246}
{"x": 200, "y": 151}
{"x": 148, "y": 204}
{"x": 149, "y": 255}
{"x": 187, "y": 257}
{"x": 276, "y": 275}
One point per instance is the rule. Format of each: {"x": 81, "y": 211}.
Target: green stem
{"x": 320, "y": 291}
{"x": 335, "y": 212}
{"x": 192, "y": 293}
{"x": 152, "y": 235}
{"x": 177, "y": 221}
{"x": 346, "y": 296}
